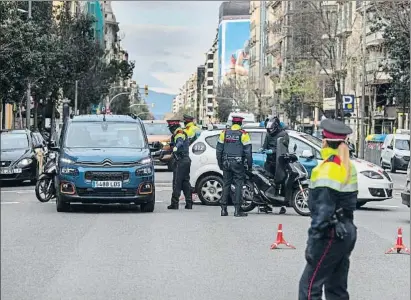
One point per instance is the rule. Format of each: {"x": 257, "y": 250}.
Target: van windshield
{"x": 402, "y": 144}
{"x": 104, "y": 135}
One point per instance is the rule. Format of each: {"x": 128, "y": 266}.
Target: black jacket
{"x": 270, "y": 142}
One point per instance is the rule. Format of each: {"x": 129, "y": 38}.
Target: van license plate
{"x": 107, "y": 184}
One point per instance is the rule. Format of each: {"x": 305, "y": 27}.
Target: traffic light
{"x": 146, "y": 90}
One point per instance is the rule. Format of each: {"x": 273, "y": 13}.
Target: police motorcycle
{"x": 289, "y": 187}
{"x": 45, "y": 188}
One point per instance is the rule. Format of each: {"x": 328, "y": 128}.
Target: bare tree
{"x": 231, "y": 94}
{"x": 327, "y": 33}
{"x": 301, "y": 88}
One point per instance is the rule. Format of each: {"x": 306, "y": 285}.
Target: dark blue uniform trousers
{"x": 328, "y": 262}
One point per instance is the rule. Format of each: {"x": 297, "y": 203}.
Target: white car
{"x": 374, "y": 183}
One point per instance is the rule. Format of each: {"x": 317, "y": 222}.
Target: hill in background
{"x": 162, "y": 103}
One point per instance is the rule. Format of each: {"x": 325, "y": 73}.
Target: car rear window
{"x": 212, "y": 141}
{"x": 402, "y": 144}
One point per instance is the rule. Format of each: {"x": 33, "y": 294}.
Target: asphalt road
{"x": 118, "y": 253}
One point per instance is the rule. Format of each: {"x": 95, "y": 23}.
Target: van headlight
{"x": 145, "y": 171}
{"x": 372, "y": 174}
{"x": 145, "y": 161}
{"x": 66, "y": 161}
{"x": 69, "y": 171}
{"x": 24, "y": 162}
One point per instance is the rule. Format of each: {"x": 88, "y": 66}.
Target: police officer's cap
{"x": 173, "y": 123}
{"x": 335, "y": 130}
{"x": 188, "y": 118}
{"x": 238, "y": 119}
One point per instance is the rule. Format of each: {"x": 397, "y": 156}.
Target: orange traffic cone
{"x": 399, "y": 246}
{"x": 280, "y": 239}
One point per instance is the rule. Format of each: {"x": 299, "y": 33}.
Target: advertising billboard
{"x": 233, "y": 49}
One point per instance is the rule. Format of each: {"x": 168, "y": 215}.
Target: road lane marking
{"x": 11, "y": 202}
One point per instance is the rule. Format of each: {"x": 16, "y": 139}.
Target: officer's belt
{"x": 348, "y": 215}
{"x": 236, "y": 158}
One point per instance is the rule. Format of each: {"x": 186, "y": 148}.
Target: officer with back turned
{"x": 233, "y": 149}
{"x": 191, "y": 129}
{"x": 332, "y": 235}
{"x": 181, "y": 172}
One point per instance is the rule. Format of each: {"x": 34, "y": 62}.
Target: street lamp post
{"x": 409, "y": 108}
{"x": 28, "y": 102}
{"x": 364, "y": 75}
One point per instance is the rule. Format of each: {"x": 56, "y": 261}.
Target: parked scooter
{"x": 289, "y": 187}
{"x": 45, "y": 189}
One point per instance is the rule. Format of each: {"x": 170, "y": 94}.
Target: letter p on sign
{"x": 348, "y": 103}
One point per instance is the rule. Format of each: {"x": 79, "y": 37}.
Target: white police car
{"x": 206, "y": 178}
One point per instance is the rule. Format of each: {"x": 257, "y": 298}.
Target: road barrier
{"x": 399, "y": 246}
{"x": 280, "y": 239}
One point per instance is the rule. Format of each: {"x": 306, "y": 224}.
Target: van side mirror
{"x": 390, "y": 147}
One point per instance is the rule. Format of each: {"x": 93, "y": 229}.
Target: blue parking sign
{"x": 348, "y": 103}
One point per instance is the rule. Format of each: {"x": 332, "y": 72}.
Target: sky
{"x": 166, "y": 39}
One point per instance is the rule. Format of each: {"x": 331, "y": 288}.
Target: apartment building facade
{"x": 111, "y": 29}
{"x": 380, "y": 112}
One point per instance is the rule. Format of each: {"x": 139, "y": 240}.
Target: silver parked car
{"x": 405, "y": 195}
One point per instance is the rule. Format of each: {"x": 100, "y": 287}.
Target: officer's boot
{"x": 174, "y": 203}
{"x": 224, "y": 212}
{"x": 283, "y": 210}
{"x": 238, "y": 212}
{"x": 189, "y": 202}
{"x": 173, "y": 206}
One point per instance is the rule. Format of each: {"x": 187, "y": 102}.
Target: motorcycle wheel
{"x": 300, "y": 204}
{"x": 42, "y": 184}
{"x": 248, "y": 197}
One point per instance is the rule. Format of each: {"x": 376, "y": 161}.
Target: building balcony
{"x": 375, "y": 72}
{"x": 344, "y": 30}
{"x": 272, "y": 4}
{"x": 273, "y": 48}
{"x": 253, "y": 40}
{"x": 374, "y": 39}
{"x": 210, "y": 104}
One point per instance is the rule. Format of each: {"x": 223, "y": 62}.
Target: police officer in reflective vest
{"x": 332, "y": 234}
{"x": 191, "y": 129}
{"x": 233, "y": 149}
{"x": 181, "y": 173}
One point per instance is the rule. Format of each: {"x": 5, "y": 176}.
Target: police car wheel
{"x": 210, "y": 189}
{"x": 299, "y": 202}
